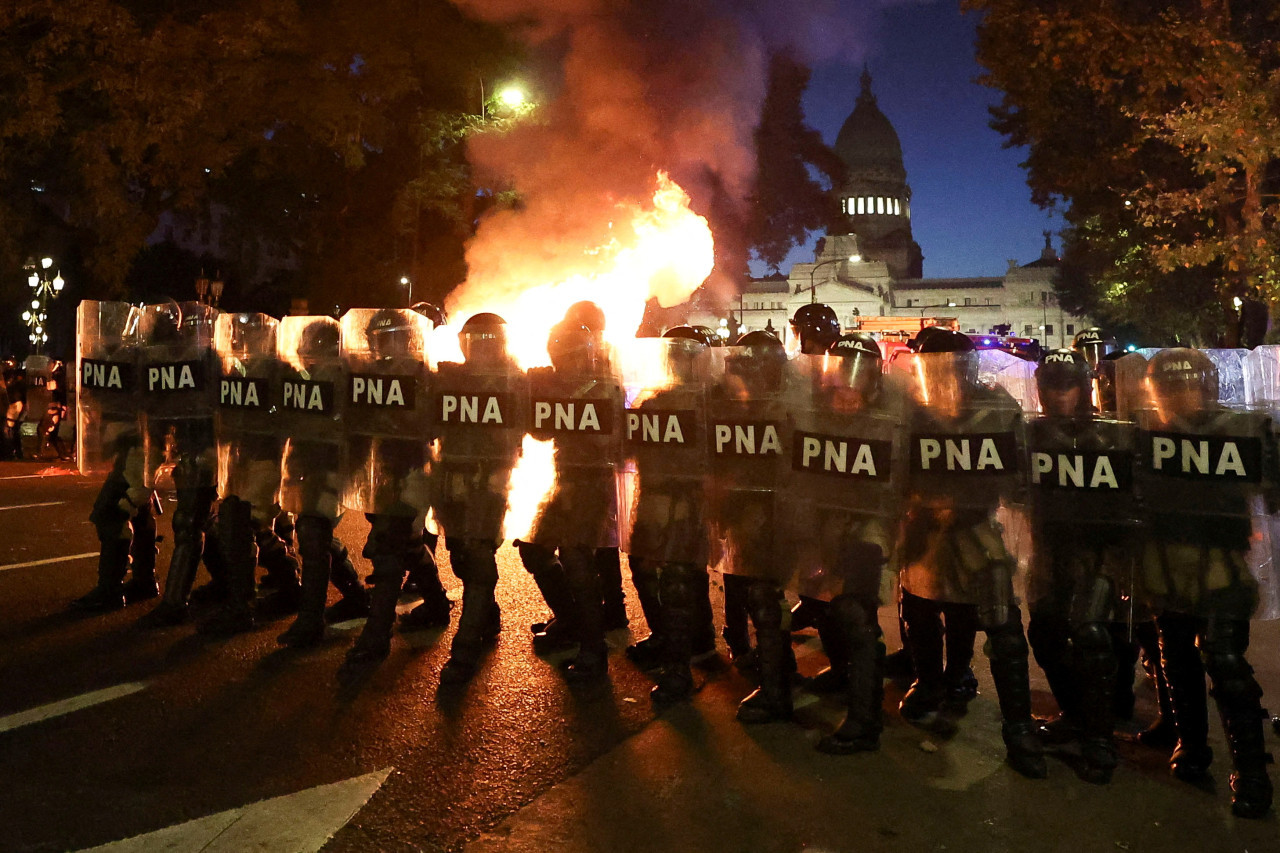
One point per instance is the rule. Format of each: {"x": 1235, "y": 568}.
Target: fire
{"x": 666, "y": 253}
{"x": 663, "y": 251}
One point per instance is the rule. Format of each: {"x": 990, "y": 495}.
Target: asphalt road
{"x": 517, "y": 760}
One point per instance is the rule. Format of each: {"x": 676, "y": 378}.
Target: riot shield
{"x": 749, "y": 445}
{"x": 1261, "y": 371}
{"x": 477, "y": 417}
{"x": 997, "y": 368}
{"x": 249, "y": 447}
{"x": 309, "y": 415}
{"x": 1231, "y": 383}
{"x": 665, "y": 439}
{"x": 177, "y": 375}
{"x": 107, "y": 428}
{"x": 1084, "y": 512}
{"x": 842, "y": 498}
{"x": 384, "y": 351}
{"x": 578, "y": 405}
{"x": 1202, "y": 472}
{"x": 965, "y": 460}
{"x": 1128, "y": 377}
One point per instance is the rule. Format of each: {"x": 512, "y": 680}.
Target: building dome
{"x": 867, "y": 142}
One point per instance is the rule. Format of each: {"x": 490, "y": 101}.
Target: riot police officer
{"x": 177, "y": 392}
{"x": 1084, "y": 519}
{"x": 749, "y": 447}
{"x": 310, "y": 421}
{"x": 15, "y": 381}
{"x": 965, "y": 443}
{"x": 576, "y": 403}
{"x": 1201, "y": 467}
{"x": 109, "y": 441}
{"x": 387, "y": 464}
{"x": 665, "y": 435}
{"x": 56, "y": 411}
{"x": 844, "y": 497}
{"x": 477, "y": 410}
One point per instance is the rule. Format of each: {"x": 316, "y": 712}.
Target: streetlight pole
{"x": 407, "y": 283}
{"x": 43, "y": 289}
{"x": 813, "y": 288}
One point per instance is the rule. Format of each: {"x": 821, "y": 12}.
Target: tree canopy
{"x": 1156, "y": 125}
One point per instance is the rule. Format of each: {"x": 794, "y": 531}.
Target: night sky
{"x": 971, "y": 208}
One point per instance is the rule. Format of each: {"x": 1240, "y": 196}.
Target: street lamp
{"x": 813, "y": 288}
{"x": 407, "y": 283}
{"x": 43, "y": 288}
{"x": 209, "y": 292}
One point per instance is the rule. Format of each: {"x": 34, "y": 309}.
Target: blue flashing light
{"x": 1131, "y": 348}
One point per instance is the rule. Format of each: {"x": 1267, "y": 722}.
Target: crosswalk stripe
{"x": 66, "y": 706}
{"x": 32, "y": 563}
{"x": 32, "y": 506}
{"x": 300, "y": 823}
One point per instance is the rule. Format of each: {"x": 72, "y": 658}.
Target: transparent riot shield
{"x": 847, "y": 472}
{"x": 964, "y": 461}
{"x": 578, "y": 405}
{"x": 309, "y": 415}
{"x": 1015, "y": 375}
{"x": 1230, "y": 363}
{"x": 1261, "y": 372}
{"x": 749, "y": 445}
{"x": 107, "y": 428}
{"x": 1203, "y": 473}
{"x": 1128, "y": 376}
{"x": 249, "y": 446}
{"x": 477, "y": 417}
{"x": 1084, "y": 514}
{"x": 178, "y": 386}
{"x": 386, "y": 400}
{"x": 665, "y": 439}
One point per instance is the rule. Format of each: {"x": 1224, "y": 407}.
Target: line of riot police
{"x": 822, "y": 474}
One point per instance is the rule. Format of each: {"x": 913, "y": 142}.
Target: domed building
{"x": 876, "y": 198}
{"x": 872, "y": 274}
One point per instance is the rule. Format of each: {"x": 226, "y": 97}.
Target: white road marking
{"x": 300, "y": 823}
{"x": 28, "y": 565}
{"x": 40, "y": 476}
{"x": 32, "y": 506}
{"x": 66, "y": 706}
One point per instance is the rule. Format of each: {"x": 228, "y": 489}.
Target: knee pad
{"x": 534, "y": 557}
{"x": 389, "y": 535}
{"x": 315, "y": 537}
{"x": 766, "y": 604}
{"x": 1007, "y": 641}
{"x": 474, "y": 561}
{"x": 851, "y": 612}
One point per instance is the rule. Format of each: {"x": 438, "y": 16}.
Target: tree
{"x": 795, "y": 169}
{"x": 1155, "y": 123}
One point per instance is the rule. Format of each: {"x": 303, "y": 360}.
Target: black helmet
{"x": 854, "y": 360}
{"x": 713, "y": 340}
{"x": 1062, "y": 370}
{"x": 483, "y": 336}
{"x": 434, "y": 313}
{"x": 923, "y": 335}
{"x": 701, "y": 334}
{"x": 943, "y": 340}
{"x": 817, "y": 326}
{"x": 1171, "y": 371}
{"x": 757, "y": 358}
{"x": 320, "y": 340}
{"x": 585, "y": 313}
{"x": 392, "y": 333}
{"x": 1094, "y": 344}
{"x": 573, "y": 348}
{"x": 160, "y": 323}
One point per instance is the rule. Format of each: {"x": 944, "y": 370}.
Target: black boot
{"x": 113, "y": 563}
{"x": 1009, "y": 670}
{"x": 435, "y": 608}
{"x": 582, "y": 571}
{"x": 771, "y": 701}
{"x": 240, "y": 550}
{"x": 1095, "y": 668}
{"x": 1238, "y": 697}
{"x": 958, "y": 680}
{"x": 374, "y": 643}
{"x": 283, "y": 573}
{"x": 558, "y": 633}
{"x": 1185, "y": 672}
{"x": 314, "y": 537}
{"x": 680, "y": 586}
{"x": 835, "y": 643}
{"x": 608, "y": 562}
{"x": 172, "y": 609}
{"x": 647, "y": 653}
{"x": 864, "y": 680}
{"x": 354, "y": 603}
{"x": 922, "y": 620}
{"x": 479, "y": 624}
{"x": 142, "y": 585}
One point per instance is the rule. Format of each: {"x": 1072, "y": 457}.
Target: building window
{"x": 879, "y": 204}
{"x": 861, "y": 206}
{"x": 908, "y": 303}
{"x": 968, "y": 301}
{"x": 1026, "y": 331}
{"x": 897, "y": 208}
{"x": 1048, "y": 328}
{"x": 988, "y": 300}
{"x": 1071, "y": 328}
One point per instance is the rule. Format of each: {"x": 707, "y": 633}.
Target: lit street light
{"x": 813, "y": 288}
{"x": 209, "y": 292}
{"x": 407, "y": 284}
{"x": 44, "y": 288}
